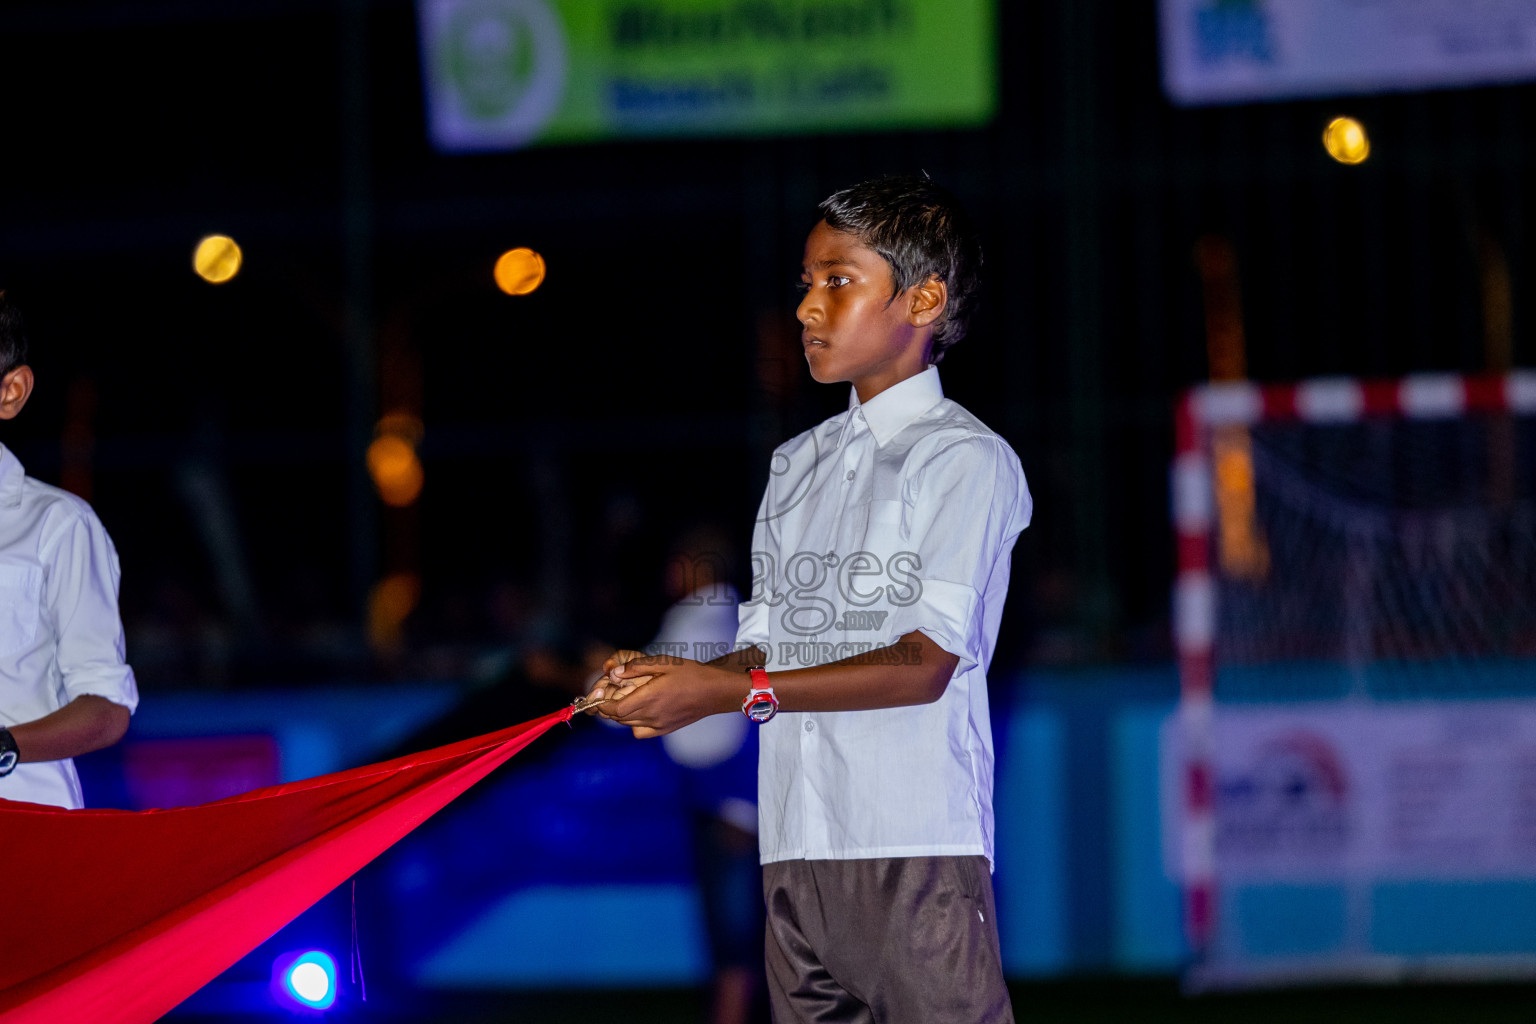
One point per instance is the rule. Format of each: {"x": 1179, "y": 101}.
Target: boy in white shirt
{"x": 64, "y": 687}
{"x": 881, "y": 558}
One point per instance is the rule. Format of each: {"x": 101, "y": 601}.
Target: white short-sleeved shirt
{"x": 60, "y": 633}
{"x": 897, "y": 515}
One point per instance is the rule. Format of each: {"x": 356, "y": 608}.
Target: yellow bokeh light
{"x": 519, "y": 271}
{"x": 396, "y": 470}
{"x": 1346, "y": 141}
{"x": 216, "y": 259}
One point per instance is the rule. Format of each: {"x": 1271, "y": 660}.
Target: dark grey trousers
{"x": 888, "y": 940}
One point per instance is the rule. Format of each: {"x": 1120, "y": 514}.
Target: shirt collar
{"x": 889, "y": 412}
{"x": 11, "y": 476}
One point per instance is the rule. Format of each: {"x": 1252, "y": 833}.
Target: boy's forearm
{"x": 916, "y": 672}
{"x": 84, "y": 724}
{"x": 741, "y": 660}
{"x": 681, "y": 692}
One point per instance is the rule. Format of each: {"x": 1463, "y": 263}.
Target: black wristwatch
{"x": 9, "y": 755}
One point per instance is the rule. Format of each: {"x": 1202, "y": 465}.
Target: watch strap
{"x": 761, "y": 703}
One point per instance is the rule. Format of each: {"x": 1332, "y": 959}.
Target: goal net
{"x": 1356, "y": 618}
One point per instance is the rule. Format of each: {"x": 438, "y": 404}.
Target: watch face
{"x": 761, "y": 710}
{"x": 8, "y": 761}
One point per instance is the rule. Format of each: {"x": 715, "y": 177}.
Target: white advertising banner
{"x": 1443, "y": 789}
{"x": 1222, "y": 51}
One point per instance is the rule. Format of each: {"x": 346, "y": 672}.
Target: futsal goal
{"x": 1354, "y": 758}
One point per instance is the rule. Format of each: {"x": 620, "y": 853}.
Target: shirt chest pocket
{"x": 21, "y": 591}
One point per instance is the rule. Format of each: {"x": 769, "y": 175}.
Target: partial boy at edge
{"x": 881, "y": 560}
{"x": 65, "y": 688}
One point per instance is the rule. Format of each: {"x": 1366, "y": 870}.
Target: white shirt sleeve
{"x": 966, "y": 505}
{"x": 80, "y": 607}
{"x": 753, "y": 615}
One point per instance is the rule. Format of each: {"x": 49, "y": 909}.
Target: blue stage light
{"x": 305, "y": 981}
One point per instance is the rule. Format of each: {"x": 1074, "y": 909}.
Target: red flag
{"x": 114, "y": 917}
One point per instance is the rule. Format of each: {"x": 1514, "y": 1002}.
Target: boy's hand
{"x": 679, "y": 692}
{"x": 606, "y": 687}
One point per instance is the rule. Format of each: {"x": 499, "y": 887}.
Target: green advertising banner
{"x": 507, "y": 73}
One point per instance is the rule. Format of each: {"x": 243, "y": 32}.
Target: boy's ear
{"x": 926, "y": 301}
{"x": 15, "y": 389}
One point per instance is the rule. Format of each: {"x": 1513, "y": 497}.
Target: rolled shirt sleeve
{"x": 962, "y": 510}
{"x": 753, "y": 625}
{"x": 80, "y": 590}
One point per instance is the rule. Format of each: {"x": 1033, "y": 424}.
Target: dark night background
{"x": 569, "y": 434}
{"x": 629, "y": 386}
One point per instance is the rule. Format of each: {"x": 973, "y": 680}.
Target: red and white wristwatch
{"x": 760, "y": 704}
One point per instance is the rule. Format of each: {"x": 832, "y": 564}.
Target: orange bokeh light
{"x": 396, "y": 470}
{"x": 519, "y": 271}
{"x": 389, "y": 603}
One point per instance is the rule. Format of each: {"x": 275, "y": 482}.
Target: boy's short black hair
{"x": 13, "y": 337}
{"x": 921, "y": 230}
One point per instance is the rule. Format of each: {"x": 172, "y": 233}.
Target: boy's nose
{"x": 807, "y": 308}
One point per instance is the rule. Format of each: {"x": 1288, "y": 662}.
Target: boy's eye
{"x": 834, "y": 281}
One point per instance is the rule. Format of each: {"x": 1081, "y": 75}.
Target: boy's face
{"x": 851, "y": 328}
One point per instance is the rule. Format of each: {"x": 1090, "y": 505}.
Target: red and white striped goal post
{"x": 1322, "y": 400}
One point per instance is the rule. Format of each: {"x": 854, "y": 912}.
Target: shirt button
{"x": 810, "y": 726}
{"x": 850, "y": 474}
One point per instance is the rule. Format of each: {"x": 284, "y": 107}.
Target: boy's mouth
{"x": 809, "y": 341}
